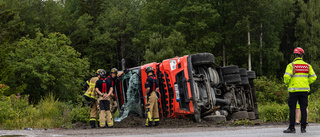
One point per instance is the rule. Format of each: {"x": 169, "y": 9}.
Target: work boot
{"x": 93, "y": 124}
{"x": 156, "y": 123}
{"x": 150, "y": 123}
{"x": 289, "y": 130}
{"x": 98, "y": 123}
{"x": 303, "y": 130}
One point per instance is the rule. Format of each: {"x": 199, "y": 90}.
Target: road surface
{"x": 240, "y": 131}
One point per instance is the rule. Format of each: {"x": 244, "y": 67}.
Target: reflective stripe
{"x": 92, "y": 85}
{"x": 312, "y": 75}
{"x": 156, "y": 119}
{"x": 299, "y": 89}
{"x": 300, "y": 76}
{"x": 149, "y": 116}
{"x": 288, "y": 74}
{"x": 92, "y": 119}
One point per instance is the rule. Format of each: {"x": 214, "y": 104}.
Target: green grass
{"x": 17, "y": 113}
{"x": 275, "y": 112}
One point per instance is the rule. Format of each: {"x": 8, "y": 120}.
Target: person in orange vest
{"x": 152, "y": 86}
{"x": 298, "y": 77}
{"x": 104, "y": 88}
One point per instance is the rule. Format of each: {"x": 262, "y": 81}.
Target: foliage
{"x": 3, "y": 89}
{"x": 160, "y": 48}
{"x": 270, "y": 90}
{"x": 273, "y": 112}
{"x": 46, "y": 65}
{"x": 313, "y": 106}
{"x": 17, "y": 113}
{"x": 48, "y": 46}
{"x": 79, "y": 114}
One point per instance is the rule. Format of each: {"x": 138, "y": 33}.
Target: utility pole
{"x": 261, "y": 34}
{"x": 249, "y": 56}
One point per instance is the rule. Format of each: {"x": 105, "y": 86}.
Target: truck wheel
{"x": 197, "y": 115}
{"x": 215, "y": 118}
{"x": 239, "y": 115}
{"x": 230, "y": 70}
{"x": 243, "y": 72}
{"x": 251, "y": 74}
{"x": 214, "y": 77}
{"x": 232, "y": 78}
{"x": 251, "y": 115}
{"x": 202, "y": 59}
{"x": 244, "y": 81}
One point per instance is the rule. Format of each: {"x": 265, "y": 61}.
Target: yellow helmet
{"x": 114, "y": 70}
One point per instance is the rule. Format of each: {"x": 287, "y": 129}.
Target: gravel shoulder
{"x": 169, "y": 127}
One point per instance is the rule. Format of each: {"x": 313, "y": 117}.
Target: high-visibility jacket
{"x": 299, "y": 75}
{"x": 91, "y": 92}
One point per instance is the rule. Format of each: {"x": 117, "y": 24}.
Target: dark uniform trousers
{"x": 302, "y": 98}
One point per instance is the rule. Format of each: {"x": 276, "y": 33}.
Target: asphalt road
{"x": 242, "y": 131}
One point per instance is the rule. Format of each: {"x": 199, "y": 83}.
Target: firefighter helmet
{"x": 149, "y": 69}
{"x": 114, "y": 70}
{"x": 101, "y": 72}
{"x": 298, "y": 50}
{"x": 97, "y": 72}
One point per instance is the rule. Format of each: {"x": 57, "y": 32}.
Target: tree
{"x": 160, "y": 48}
{"x": 10, "y": 28}
{"x": 46, "y": 65}
{"x": 308, "y": 33}
{"x": 10, "y": 25}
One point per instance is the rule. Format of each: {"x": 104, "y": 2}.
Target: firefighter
{"x": 113, "y": 100}
{"x": 104, "y": 88}
{"x": 297, "y": 77}
{"x": 152, "y": 86}
{"x": 91, "y": 96}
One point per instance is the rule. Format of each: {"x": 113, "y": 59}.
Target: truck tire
{"x": 230, "y": 70}
{"x": 214, "y": 77}
{"x": 202, "y": 59}
{"x": 244, "y": 81}
{"x": 243, "y": 72}
{"x": 232, "y": 78}
{"x": 251, "y": 74}
{"x": 215, "y": 118}
{"x": 251, "y": 115}
{"x": 196, "y": 115}
{"x": 240, "y": 115}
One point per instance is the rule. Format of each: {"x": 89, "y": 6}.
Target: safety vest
{"x": 298, "y": 76}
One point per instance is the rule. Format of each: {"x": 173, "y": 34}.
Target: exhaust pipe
{"x": 222, "y": 101}
{"x": 123, "y": 64}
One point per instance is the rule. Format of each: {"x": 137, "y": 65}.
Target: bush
{"x": 80, "y": 114}
{"x": 274, "y": 112}
{"x": 270, "y": 90}
{"x": 313, "y": 106}
{"x": 17, "y": 113}
{"x": 45, "y": 64}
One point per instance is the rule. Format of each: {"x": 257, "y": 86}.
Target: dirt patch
{"x": 133, "y": 121}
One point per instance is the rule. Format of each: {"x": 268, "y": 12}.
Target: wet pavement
{"x": 240, "y": 131}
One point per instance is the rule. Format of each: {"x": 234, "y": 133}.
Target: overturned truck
{"x": 191, "y": 86}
